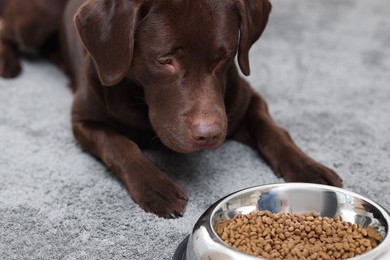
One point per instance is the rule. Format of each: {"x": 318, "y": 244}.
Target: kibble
{"x": 297, "y": 236}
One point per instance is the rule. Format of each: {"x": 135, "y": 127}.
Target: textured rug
{"x": 323, "y": 67}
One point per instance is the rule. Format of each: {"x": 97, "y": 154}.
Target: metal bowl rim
{"x": 215, "y": 206}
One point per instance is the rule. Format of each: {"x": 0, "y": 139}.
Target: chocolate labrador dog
{"x": 147, "y": 68}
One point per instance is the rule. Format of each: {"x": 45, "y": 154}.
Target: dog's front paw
{"x": 312, "y": 172}
{"x": 160, "y": 196}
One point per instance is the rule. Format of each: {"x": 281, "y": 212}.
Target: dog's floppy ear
{"x": 107, "y": 27}
{"x": 254, "y": 17}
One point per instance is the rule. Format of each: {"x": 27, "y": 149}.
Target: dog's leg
{"x": 147, "y": 184}
{"x": 278, "y": 149}
{"x": 9, "y": 58}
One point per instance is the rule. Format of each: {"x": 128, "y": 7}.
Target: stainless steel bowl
{"x": 204, "y": 243}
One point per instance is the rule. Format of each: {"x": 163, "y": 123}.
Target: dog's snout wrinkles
{"x": 206, "y": 132}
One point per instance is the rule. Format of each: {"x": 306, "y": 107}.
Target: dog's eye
{"x": 221, "y": 64}
{"x": 164, "y": 61}
{"x": 222, "y": 59}
{"x": 167, "y": 64}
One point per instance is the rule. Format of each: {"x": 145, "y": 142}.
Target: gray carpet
{"x": 323, "y": 66}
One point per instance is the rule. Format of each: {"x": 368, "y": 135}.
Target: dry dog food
{"x": 297, "y": 236}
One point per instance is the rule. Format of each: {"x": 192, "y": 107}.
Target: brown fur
{"x": 141, "y": 68}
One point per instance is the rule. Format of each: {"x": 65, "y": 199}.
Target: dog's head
{"x": 180, "y": 51}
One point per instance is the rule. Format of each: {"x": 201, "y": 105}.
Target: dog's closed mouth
{"x": 188, "y": 145}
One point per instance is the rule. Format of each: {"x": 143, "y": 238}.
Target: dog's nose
{"x": 206, "y": 133}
